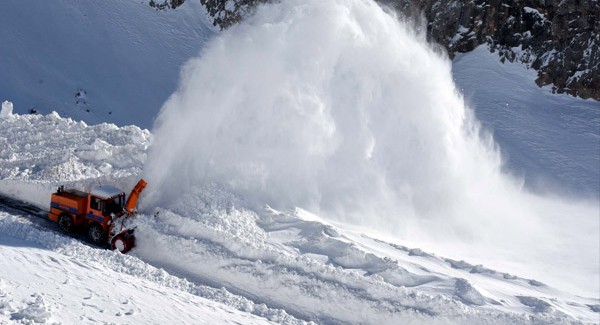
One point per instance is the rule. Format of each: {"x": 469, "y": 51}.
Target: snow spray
{"x": 341, "y": 109}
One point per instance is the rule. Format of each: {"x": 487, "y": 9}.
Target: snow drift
{"x": 338, "y": 108}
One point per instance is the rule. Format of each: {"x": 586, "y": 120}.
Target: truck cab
{"x": 105, "y": 201}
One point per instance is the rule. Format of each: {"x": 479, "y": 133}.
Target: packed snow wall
{"x": 339, "y": 108}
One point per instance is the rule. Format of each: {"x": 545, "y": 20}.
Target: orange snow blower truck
{"x": 102, "y": 213}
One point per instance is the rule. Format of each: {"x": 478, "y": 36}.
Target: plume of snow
{"x": 339, "y": 108}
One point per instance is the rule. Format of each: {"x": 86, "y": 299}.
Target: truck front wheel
{"x": 65, "y": 222}
{"x": 96, "y": 233}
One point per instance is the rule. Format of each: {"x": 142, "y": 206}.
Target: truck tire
{"x": 65, "y": 222}
{"x": 96, "y": 233}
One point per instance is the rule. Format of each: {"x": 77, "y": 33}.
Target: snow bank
{"x": 40, "y": 152}
{"x": 338, "y": 108}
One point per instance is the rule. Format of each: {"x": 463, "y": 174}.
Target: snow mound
{"x": 538, "y": 305}
{"x": 468, "y": 294}
{"x": 43, "y": 151}
{"x": 35, "y": 311}
{"x": 7, "y": 108}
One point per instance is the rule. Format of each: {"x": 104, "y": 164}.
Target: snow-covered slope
{"x": 98, "y": 61}
{"x": 261, "y": 170}
{"x": 552, "y": 141}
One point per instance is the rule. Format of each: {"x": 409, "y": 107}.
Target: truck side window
{"x": 112, "y": 206}
{"x": 96, "y": 203}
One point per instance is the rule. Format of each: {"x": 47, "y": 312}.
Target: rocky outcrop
{"x": 558, "y": 38}
{"x": 165, "y": 4}
{"x": 225, "y": 13}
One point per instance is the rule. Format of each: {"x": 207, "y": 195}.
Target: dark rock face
{"x": 165, "y": 4}
{"x": 558, "y": 38}
{"x": 226, "y": 13}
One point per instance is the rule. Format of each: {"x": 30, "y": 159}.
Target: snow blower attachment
{"x": 102, "y": 213}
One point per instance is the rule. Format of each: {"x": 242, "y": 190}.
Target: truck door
{"x": 96, "y": 206}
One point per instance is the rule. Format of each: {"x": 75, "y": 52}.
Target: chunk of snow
{"x": 469, "y": 295}
{"x": 7, "y": 109}
{"x": 35, "y": 312}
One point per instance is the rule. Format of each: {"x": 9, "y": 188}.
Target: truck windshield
{"x": 114, "y": 205}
